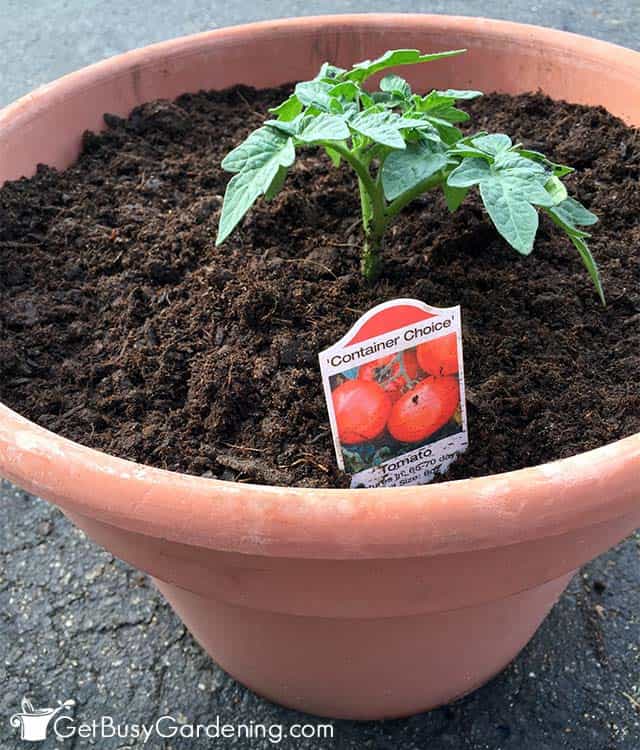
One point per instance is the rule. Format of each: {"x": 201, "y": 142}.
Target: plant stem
{"x": 373, "y": 226}
{"x": 374, "y": 220}
{"x": 376, "y": 216}
{"x": 366, "y": 208}
{"x": 359, "y": 167}
{"x": 371, "y": 259}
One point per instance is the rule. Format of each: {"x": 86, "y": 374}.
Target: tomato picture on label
{"x": 362, "y": 408}
{"x": 439, "y": 356}
{"x": 393, "y": 405}
{"x": 394, "y": 386}
{"x": 424, "y": 409}
{"x": 394, "y": 373}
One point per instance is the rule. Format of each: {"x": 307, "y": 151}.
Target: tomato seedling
{"x": 401, "y": 145}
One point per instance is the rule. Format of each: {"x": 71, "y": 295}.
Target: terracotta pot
{"x": 369, "y": 603}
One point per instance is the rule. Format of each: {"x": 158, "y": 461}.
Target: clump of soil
{"x": 123, "y": 327}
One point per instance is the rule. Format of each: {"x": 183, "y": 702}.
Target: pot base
{"x": 376, "y": 668}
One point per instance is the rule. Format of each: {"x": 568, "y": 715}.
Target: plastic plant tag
{"x": 394, "y": 386}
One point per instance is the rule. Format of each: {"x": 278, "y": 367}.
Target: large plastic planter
{"x": 369, "y": 603}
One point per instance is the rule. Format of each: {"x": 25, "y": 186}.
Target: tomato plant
{"x": 393, "y": 372}
{"x": 424, "y": 409}
{"x": 400, "y": 145}
{"x": 439, "y": 356}
{"x": 362, "y": 408}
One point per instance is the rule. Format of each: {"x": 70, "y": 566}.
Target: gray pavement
{"x": 76, "y": 623}
{"x": 43, "y": 39}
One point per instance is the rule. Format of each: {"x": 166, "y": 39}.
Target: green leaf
{"x": 323, "y": 127}
{"x": 514, "y": 217}
{"x": 522, "y": 177}
{"x": 512, "y": 162}
{"x": 460, "y": 94}
{"x": 288, "y": 127}
{"x": 529, "y": 189}
{"x": 315, "y": 94}
{"x": 590, "y": 264}
{"x": 276, "y": 184}
{"x": 578, "y": 238}
{"x": 350, "y": 109}
{"x": 432, "y": 102}
{"x": 558, "y": 170}
{"x": 441, "y": 112}
{"x": 289, "y": 109}
{"x": 429, "y": 132}
{"x": 410, "y": 121}
{"x": 366, "y": 100}
{"x": 573, "y": 213}
{"x": 441, "y": 132}
{"x": 447, "y": 132}
{"x": 334, "y": 156}
{"x": 241, "y": 193}
{"x": 556, "y": 190}
{"x": 381, "y": 127}
{"x": 329, "y": 71}
{"x": 363, "y": 70}
{"x": 471, "y": 171}
{"x": 393, "y": 84}
{"x": 389, "y": 101}
{"x": 559, "y": 220}
{"x": 451, "y": 114}
{"x": 257, "y": 163}
{"x": 492, "y": 143}
{"x": 454, "y": 196}
{"x": 461, "y": 149}
{"x": 264, "y": 139}
{"x": 403, "y": 170}
{"x": 423, "y": 129}
{"x": 346, "y": 90}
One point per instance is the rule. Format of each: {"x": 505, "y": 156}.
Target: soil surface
{"x": 123, "y": 327}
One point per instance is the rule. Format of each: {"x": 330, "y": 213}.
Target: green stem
{"x": 371, "y": 260}
{"x": 374, "y": 220}
{"x": 373, "y": 225}
{"x": 359, "y": 167}
{"x": 365, "y": 208}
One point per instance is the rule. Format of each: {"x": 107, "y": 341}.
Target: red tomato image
{"x": 362, "y": 409}
{"x": 440, "y": 356}
{"x": 424, "y": 409}
{"x": 393, "y": 373}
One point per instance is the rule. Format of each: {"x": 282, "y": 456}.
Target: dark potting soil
{"x": 123, "y": 327}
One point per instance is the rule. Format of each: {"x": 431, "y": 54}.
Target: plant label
{"x": 394, "y": 386}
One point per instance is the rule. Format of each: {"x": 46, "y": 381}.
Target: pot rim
{"x": 452, "y": 517}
